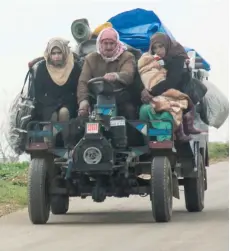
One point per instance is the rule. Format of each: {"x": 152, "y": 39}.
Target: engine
{"x": 97, "y": 149}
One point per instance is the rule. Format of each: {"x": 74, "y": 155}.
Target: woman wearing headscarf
{"x": 113, "y": 62}
{"x": 55, "y": 82}
{"x": 166, "y": 95}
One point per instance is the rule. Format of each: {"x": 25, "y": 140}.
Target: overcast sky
{"x": 27, "y": 25}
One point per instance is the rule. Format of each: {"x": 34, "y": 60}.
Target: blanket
{"x": 172, "y": 101}
{"x": 151, "y": 72}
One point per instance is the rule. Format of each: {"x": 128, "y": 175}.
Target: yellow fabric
{"x": 61, "y": 75}
{"x": 102, "y": 27}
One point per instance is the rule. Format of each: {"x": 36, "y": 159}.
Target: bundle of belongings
{"x": 214, "y": 107}
{"x": 21, "y": 112}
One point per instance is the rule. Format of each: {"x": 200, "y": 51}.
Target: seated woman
{"x": 162, "y": 86}
{"x": 113, "y": 62}
{"x": 55, "y": 82}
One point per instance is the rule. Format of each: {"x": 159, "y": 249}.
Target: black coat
{"x": 50, "y": 97}
{"x": 180, "y": 79}
{"x": 176, "y": 76}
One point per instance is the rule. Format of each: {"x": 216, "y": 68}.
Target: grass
{"x": 13, "y": 179}
{"x": 13, "y": 182}
{"x": 218, "y": 151}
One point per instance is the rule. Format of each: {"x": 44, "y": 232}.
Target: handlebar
{"x": 100, "y": 84}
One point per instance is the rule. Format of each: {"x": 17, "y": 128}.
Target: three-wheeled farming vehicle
{"x": 93, "y": 157}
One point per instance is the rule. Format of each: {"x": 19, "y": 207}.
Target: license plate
{"x": 117, "y": 122}
{"x": 92, "y": 128}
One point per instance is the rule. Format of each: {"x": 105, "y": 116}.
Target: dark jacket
{"x": 50, "y": 97}
{"x": 176, "y": 76}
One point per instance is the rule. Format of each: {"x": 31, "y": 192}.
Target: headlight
{"x": 92, "y": 155}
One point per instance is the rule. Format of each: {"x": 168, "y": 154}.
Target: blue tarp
{"x": 136, "y": 26}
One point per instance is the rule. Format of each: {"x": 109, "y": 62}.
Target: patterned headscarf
{"x": 112, "y": 34}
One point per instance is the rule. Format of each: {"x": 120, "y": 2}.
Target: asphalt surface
{"x": 127, "y": 224}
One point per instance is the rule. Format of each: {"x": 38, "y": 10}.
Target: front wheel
{"x": 38, "y": 191}
{"x": 161, "y": 193}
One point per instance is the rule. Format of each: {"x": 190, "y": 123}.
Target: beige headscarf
{"x": 59, "y": 74}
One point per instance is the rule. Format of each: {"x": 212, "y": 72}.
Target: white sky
{"x": 27, "y": 25}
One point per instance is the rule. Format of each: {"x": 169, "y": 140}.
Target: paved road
{"x": 126, "y": 224}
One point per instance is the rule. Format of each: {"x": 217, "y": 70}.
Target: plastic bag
{"x": 214, "y": 106}
{"x": 21, "y": 113}
{"x": 195, "y": 89}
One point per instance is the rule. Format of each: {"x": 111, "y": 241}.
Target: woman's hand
{"x": 156, "y": 65}
{"x": 146, "y": 97}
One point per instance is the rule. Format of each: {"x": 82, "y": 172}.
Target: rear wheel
{"x": 38, "y": 191}
{"x": 161, "y": 189}
{"x": 194, "y": 189}
{"x": 59, "y": 204}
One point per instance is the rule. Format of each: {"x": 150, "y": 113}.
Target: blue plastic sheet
{"x": 136, "y": 27}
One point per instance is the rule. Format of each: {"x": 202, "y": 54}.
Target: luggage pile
{"x": 142, "y": 24}
{"x": 136, "y": 27}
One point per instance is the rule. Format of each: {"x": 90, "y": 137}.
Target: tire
{"x": 59, "y": 204}
{"x": 194, "y": 190}
{"x": 161, "y": 193}
{"x": 38, "y": 191}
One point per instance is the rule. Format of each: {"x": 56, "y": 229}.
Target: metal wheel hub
{"x": 92, "y": 155}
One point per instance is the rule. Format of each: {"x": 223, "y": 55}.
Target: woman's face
{"x": 56, "y": 56}
{"x": 159, "y": 49}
